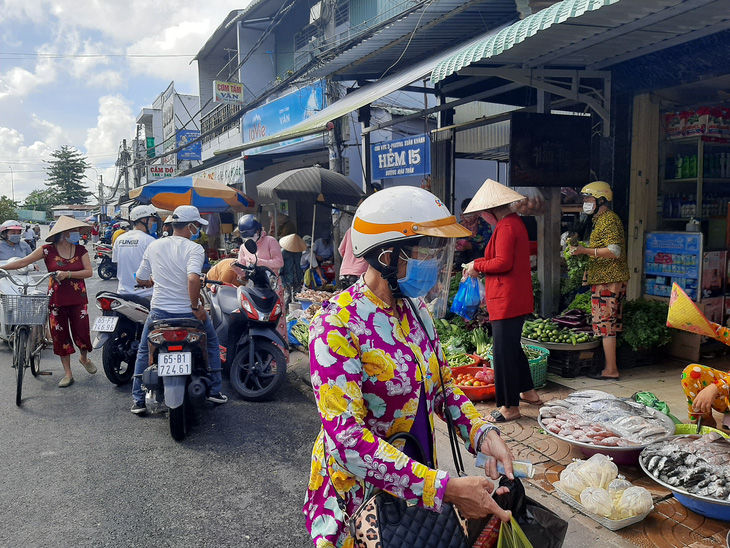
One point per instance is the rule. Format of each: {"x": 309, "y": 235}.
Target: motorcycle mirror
{"x": 251, "y": 246}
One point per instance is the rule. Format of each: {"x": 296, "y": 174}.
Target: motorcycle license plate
{"x": 106, "y": 324}
{"x": 174, "y": 363}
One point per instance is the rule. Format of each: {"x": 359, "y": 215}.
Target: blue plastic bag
{"x": 292, "y": 338}
{"x": 468, "y": 298}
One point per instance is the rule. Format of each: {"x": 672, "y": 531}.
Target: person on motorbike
{"x": 11, "y": 243}
{"x": 175, "y": 264}
{"x": 29, "y": 237}
{"x": 120, "y": 228}
{"x": 268, "y": 254}
{"x": 130, "y": 247}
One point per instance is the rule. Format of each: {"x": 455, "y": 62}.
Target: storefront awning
{"x": 357, "y": 99}
{"x": 589, "y": 34}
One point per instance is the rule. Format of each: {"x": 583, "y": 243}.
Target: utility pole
{"x": 125, "y": 166}
{"x": 101, "y": 198}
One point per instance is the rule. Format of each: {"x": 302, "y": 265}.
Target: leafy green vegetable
{"x": 582, "y": 302}
{"x": 481, "y": 341}
{"x": 536, "y": 290}
{"x": 576, "y": 268}
{"x": 645, "y": 324}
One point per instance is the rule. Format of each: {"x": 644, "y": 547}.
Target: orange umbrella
{"x": 207, "y": 195}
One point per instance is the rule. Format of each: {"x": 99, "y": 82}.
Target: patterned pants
{"x": 607, "y": 304}
{"x": 696, "y": 377}
{"x": 66, "y": 321}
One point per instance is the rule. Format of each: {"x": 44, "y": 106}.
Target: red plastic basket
{"x": 476, "y": 393}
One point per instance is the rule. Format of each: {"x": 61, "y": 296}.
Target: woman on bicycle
{"x": 11, "y": 243}
{"x": 67, "y": 307}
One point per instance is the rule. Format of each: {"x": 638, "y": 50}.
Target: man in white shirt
{"x": 129, "y": 249}
{"x": 175, "y": 264}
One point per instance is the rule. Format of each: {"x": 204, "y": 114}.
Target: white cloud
{"x": 24, "y": 170}
{"x": 54, "y": 135}
{"x": 114, "y": 123}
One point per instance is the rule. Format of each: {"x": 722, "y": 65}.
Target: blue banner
{"x": 402, "y": 158}
{"x": 281, "y": 114}
{"x": 190, "y": 152}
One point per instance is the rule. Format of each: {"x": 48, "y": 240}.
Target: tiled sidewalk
{"x": 670, "y": 524}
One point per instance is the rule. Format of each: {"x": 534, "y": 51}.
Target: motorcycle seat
{"x": 227, "y": 299}
{"x": 138, "y": 299}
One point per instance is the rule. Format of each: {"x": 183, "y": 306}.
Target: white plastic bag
{"x": 598, "y": 471}
{"x": 597, "y": 500}
{"x": 616, "y": 488}
{"x": 634, "y": 501}
{"x": 571, "y": 481}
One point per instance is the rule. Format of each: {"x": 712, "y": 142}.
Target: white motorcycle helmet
{"x": 418, "y": 228}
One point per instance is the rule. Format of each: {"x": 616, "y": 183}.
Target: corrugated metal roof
{"x": 592, "y": 34}
{"x": 437, "y": 27}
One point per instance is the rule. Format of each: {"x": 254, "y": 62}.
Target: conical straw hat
{"x": 492, "y": 194}
{"x": 65, "y": 223}
{"x": 684, "y": 314}
{"x": 292, "y": 243}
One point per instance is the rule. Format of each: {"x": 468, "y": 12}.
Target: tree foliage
{"x": 65, "y": 173}
{"x": 7, "y": 209}
{"x": 42, "y": 200}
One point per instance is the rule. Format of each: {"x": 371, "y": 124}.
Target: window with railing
{"x": 218, "y": 116}
{"x": 342, "y": 12}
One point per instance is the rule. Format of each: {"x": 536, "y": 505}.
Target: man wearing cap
{"x": 11, "y": 243}
{"x": 175, "y": 264}
{"x": 129, "y": 248}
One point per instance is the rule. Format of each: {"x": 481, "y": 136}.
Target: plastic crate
{"x": 574, "y": 363}
{"x": 628, "y": 358}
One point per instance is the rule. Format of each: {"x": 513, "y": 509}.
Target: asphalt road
{"x": 80, "y": 470}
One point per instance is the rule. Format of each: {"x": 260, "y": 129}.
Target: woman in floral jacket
{"x": 377, "y": 368}
{"x": 68, "y": 314}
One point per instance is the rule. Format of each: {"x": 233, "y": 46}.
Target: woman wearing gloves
{"x": 378, "y": 369}
{"x": 508, "y": 288}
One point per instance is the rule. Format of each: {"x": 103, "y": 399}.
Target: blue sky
{"x": 78, "y": 72}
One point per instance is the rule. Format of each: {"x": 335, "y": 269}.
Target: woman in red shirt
{"x": 68, "y": 315}
{"x": 508, "y": 288}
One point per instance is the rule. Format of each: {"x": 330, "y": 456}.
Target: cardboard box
{"x": 226, "y": 228}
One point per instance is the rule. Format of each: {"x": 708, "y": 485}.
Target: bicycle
{"x": 27, "y": 315}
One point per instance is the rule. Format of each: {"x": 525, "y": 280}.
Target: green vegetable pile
{"x": 481, "y": 341}
{"x": 460, "y": 360}
{"x": 300, "y": 330}
{"x": 645, "y": 324}
{"x": 582, "y": 301}
{"x": 576, "y": 268}
{"x": 547, "y": 331}
{"x": 455, "y": 339}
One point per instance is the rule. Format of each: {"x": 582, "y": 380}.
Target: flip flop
{"x": 499, "y": 417}
{"x": 599, "y": 377}
{"x": 538, "y": 402}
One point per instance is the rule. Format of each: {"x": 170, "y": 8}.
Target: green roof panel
{"x": 514, "y": 34}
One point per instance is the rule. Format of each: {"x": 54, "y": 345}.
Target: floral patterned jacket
{"x": 368, "y": 362}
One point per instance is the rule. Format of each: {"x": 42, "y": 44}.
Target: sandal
{"x": 499, "y": 417}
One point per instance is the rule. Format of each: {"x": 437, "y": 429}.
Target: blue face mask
{"x": 421, "y": 276}
{"x": 153, "y": 230}
{"x": 73, "y": 237}
{"x": 195, "y": 236}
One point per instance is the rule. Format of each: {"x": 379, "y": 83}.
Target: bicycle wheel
{"x": 20, "y": 357}
{"x": 35, "y": 349}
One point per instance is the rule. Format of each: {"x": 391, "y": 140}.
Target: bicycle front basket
{"x": 25, "y": 309}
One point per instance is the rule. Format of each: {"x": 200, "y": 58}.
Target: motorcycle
{"x": 245, "y": 321}
{"x": 107, "y": 268}
{"x": 179, "y": 374}
{"x": 118, "y": 332}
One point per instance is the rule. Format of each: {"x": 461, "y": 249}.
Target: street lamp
{"x": 12, "y": 183}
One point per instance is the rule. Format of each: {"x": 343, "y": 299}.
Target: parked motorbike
{"x": 179, "y": 374}
{"x": 118, "y": 332}
{"x": 107, "y": 268}
{"x": 245, "y": 320}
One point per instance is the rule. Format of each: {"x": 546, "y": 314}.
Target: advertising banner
{"x": 190, "y": 152}
{"x": 401, "y": 158}
{"x": 673, "y": 258}
{"x": 227, "y": 92}
{"x": 156, "y": 172}
{"x": 281, "y": 114}
{"x": 228, "y": 173}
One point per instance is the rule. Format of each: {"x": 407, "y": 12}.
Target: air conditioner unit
{"x": 316, "y": 12}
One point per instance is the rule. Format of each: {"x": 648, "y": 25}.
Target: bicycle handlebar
{"x": 5, "y": 274}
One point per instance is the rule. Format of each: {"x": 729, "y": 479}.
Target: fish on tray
{"x": 699, "y": 465}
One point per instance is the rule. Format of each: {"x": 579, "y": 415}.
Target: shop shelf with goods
{"x": 694, "y": 175}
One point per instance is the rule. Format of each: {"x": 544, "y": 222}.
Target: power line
{"x": 90, "y": 55}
